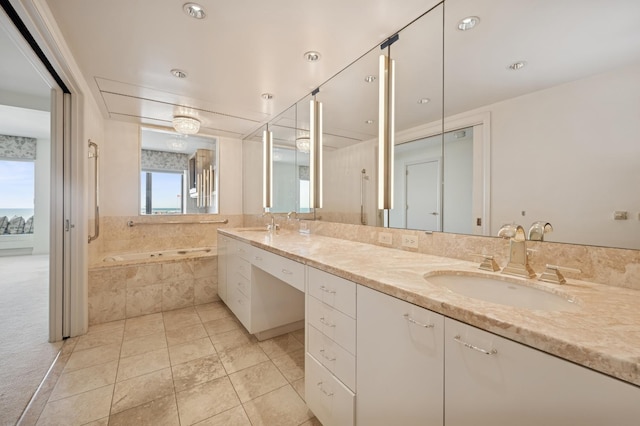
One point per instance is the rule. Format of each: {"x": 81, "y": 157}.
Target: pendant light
{"x": 315, "y": 152}
{"x": 267, "y": 170}
{"x": 386, "y": 129}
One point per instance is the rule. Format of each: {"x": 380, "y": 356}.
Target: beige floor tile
{"x": 143, "y": 325}
{"x": 140, "y": 345}
{"x": 186, "y": 334}
{"x": 206, "y": 400}
{"x": 280, "y": 345}
{"x": 258, "y": 380}
{"x": 242, "y": 357}
{"x": 78, "y": 409}
{"x": 142, "y": 389}
{"x": 101, "y": 422}
{"x": 222, "y": 325}
{"x": 101, "y": 338}
{"x": 213, "y": 311}
{"x": 106, "y": 326}
{"x": 291, "y": 365}
{"x": 282, "y": 407}
{"x": 298, "y": 386}
{"x": 299, "y": 335}
{"x": 197, "y": 372}
{"x": 190, "y": 351}
{"x": 232, "y": 339}
{"x": 93, "y": 356}
{"x": 180, "y": 318}
{"x": 313, "y": 422}
{"x": 160, "y": 412}
{"x": 234, "y": 417}
{"x": 83, "y": 380}
{"x": 138, "y": 365}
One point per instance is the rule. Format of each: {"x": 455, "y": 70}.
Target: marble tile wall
{"x": 603, "y": 265}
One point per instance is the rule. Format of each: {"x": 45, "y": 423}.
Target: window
{"x": 18, "y": 188}
{"x": 161, "y": 192}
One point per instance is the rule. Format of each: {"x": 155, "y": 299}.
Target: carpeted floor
{"x": 25, "y": 354}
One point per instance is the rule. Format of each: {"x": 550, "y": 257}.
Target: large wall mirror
{"x": 178, "y": 173}
{"x": 528, "y": 114}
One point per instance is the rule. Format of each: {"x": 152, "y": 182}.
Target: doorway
{"x": 422, "y": 184}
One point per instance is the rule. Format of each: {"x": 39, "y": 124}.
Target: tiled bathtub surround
{"x": 602, "y": 265}
{"x": 117, "y": 292}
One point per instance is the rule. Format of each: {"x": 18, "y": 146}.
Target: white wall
{"x": 252, "y": 177}
{"x": 230, "y": 164}
{"x": 285, "y": 187}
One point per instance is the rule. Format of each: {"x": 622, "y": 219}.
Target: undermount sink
{"x": 502, "y": 292}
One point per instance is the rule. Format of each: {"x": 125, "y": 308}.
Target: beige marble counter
{"x": 602, "y": 332}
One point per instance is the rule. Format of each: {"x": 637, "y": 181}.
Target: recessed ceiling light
{"x": 468, "y": 23}
{"x": 312, "y": 56}
{"x": 369, "y": 122}
{"x": 370, "y": 78}
{"x": 178, "y": 73}
{"x": 194, "y": 10}
{"x": 267, "y": 96}
{"x": 424, "y": 100}
{"x": 517, "y": 65}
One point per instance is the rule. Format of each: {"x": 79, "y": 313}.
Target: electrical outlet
{"x": 303, "y": 228}
{"x": 385, "y": 238}
{"x": 410, "y": 241}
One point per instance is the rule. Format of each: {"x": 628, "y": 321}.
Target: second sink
{"x": 502, "y": 292}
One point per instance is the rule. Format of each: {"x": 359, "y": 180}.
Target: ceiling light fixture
{"x": 368, "y": 121}
{"x": 194, "y": 10}
{"x": 370, "y": 78}
{"x": 186, "y": 125}
{"x": 468, "y": 23}
{"x": 517, "y": 65}
{"x": 267, "y": 96}
{"x": 424, "y": 100}
{"x": 303, "y": 144}
{"x": 178, "y": 73}
{"x": 312, "y": 56}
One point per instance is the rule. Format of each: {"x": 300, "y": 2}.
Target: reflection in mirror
{"x": 178, "y": 173}
{"x": 563, "y": 108}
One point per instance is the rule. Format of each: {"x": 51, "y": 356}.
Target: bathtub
{"x": 159, "y": 255}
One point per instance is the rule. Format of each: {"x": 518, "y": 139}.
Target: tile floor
{"x": 195, "y": 365}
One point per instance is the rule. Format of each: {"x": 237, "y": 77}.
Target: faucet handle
{"x": 488, "y": 262}
{"x": 553, "y": 274}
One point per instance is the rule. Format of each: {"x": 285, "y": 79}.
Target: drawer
{"x": 284, "y": 269}
{"x": 332, "y": 323}
{"x": 331, "y": 402}
{"x": 240, "y": 266}
{"x": 240, "y": 249}
{"x": 242, "y": 284}
{"x": 240, "y": 305}
{"x": 333, "y": 356}
{"x": 334, "y": 291}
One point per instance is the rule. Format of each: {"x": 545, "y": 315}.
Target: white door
{"x": 422, "y": 183}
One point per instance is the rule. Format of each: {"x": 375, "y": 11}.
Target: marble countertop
{"x": 602, "y": 332}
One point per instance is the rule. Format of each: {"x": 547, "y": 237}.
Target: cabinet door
{"x": 494, "y": 381}
{"x": 222, "y": 267}
{"x": 399, "y": 365}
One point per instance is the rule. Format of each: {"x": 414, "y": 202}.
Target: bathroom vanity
{"x": 386, "y": 346}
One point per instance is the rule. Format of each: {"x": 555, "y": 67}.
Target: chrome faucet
{"x": 271, "y": 227}
{"x": 538, "y": 229}
{"x": 518, "y": 263}
{"x": 292, "y": 213}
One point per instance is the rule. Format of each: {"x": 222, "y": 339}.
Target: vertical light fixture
{"x": 386, "y": 129}
{"x": 315, "y": 152}
{"x": 267, "y": 170}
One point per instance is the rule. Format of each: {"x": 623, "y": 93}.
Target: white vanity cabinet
{"x": 223, "y": 244}
{"x": 265, "y": 304}
{"x": 494, "y": 381}
{"x": 330, "y": 361}
{"x": 400, "y": 364}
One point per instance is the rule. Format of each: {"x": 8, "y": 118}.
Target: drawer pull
{"x": 326, "y": 290}
{"x": 324, "y": 391}
{"x": 241, "y": 250}
{"x": 475, "y": 348}
{"x": 322, "y": 352}
{"x": 328, "y": 324}
{"x": 286, "y": 271}
{"x": 240, "y": 302}
{"x": 412, "y": 321}
{"x": 257, "y": 258}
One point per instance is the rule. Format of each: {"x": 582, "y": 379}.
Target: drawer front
{"x": 242, "y": 284}
{"x": 240, "y": 305}
{"x": 334, "y": 291}
{"x": 280, "y": 267}
{"x": 242, "y": 250}
{"x": 332, "y": 356}
{"x": 331, "y": 402}
{"x": 240, "y": 266}
{"x": 332, "y": 323}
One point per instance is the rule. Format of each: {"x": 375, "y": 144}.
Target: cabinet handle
{"x": 286, "y": 271}
{"x": 475, "y": 348}
{"x": 257, "y": 258}
{"x": 328, "y": 324}
{"x": 411, "y": 320}
{"x": 322, "y": 352}
{"x": 326, "y": 290}
{"x": 324, "y": 391}
{"x": 241, "y": 250}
